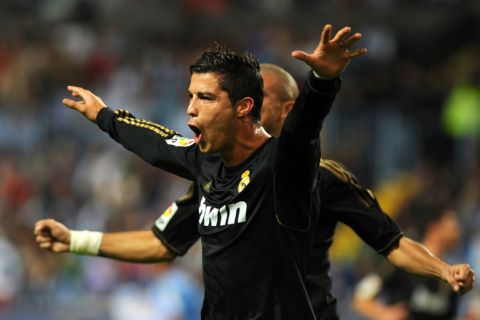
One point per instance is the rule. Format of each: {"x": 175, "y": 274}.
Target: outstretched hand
{"x": 331, "y": 56}
{"x": 52, "y": 235}
{"x": 89, "y": 106}
{"x": 460, "y": 277}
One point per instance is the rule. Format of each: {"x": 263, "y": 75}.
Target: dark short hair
{"x": 239, "y": 74}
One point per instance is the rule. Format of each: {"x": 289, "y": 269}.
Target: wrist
{"x": 318, "y": 76}
{"x": 85, "y": 242}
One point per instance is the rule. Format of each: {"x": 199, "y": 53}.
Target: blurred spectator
{"x": 11, "y": 272}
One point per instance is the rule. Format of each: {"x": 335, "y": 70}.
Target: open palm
{"x": 331, "y": 56}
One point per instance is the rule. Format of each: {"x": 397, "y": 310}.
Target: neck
{"x": 276, "y": 133}
{"x": 245, "y": 143}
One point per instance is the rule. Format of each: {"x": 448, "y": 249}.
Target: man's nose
{"x": 192, "y": 110}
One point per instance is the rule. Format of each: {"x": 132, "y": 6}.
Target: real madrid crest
{"x": 245, "y": 180}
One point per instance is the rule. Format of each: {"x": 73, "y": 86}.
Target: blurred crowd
{"x": 407, "y": 123}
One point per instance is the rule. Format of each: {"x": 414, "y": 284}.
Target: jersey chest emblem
{"x": 244, "y": 181}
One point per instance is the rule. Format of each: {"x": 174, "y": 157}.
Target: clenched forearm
{"x": 416, "y": 258}
{"x": 135, "y": 246}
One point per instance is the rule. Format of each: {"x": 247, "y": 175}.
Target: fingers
{"x": 71, "y": 103}
{"x": 357, "y": 52}
{"x": 42, "y": 232}
{"x": 46, "y": 245}
{"x": 44, "y": 241}
{"x": 465, "y": 277}
{"x": 76, "y": 92}
{"x": 300, "y": 55}
{"x": 79, "y": 91}
{"x": 342, "y": 34}
{"x": 42, "y": 226}
{"x": 453, "y": 283}
{"x": 53, "y": 246}
{"x": 326, "y": 33}
{"x": 89, "y": 105}
{"x": 38, "y": 227}
{"x": 43, "y": 238}
{"x": 462, "y": 278}
{"x": 350, "y": 41}
{"x": 51, "y": 235}
{"x": 297, "y": 54}
{"x": 461, "y": 272}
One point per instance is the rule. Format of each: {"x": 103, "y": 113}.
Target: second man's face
{"x": 212, "y": 116}
{"x": 270, "y": 116}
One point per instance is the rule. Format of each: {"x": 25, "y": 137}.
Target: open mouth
{"x": 197, "y": 133}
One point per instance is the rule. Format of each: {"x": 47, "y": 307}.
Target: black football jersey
{"x": 250, "y": 265}
{"x": 177, "y": 226}
{"x": 343, "y": 199}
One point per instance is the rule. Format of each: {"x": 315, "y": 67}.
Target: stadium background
{"x": 407, "y": 121}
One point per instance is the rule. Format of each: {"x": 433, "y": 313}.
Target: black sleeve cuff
{"x": 104, "y": 117}
{"x": 160, "y": 237}
{"x": 392, "y": 245}
{"x": 324, "y": 86}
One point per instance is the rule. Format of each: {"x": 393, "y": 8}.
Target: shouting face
{"x": 212, "y": 116}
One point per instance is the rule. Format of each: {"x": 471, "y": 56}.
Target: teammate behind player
{"x": 345, "y": 200}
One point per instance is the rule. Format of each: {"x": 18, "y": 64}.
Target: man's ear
{"x": 244, "y": 107}
{"x": 286, "y": 108}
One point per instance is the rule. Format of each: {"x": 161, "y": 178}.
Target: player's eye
{"x": 205, "y": 97}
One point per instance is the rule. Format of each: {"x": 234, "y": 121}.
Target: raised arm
{"x": 328, "y": 60}
{"x": 299, "y": 142}
{"x": 154, "y": 143}
{"x": 132, "y": 246}
{"x": 416, "y": 258}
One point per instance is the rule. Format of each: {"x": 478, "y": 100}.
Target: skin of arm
{"x": 357, "y": 208}
{"x": 416, "y": 258}
{"x": 135, "y": 246}
{"x": 132, "y": 246}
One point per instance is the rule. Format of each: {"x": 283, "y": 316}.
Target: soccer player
{"x": 342, "y": 197}
{"x": 252, "y": 268}
{"x": 395, "y": 294}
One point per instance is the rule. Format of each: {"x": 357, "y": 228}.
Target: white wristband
{"x": 85, "y": 242}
